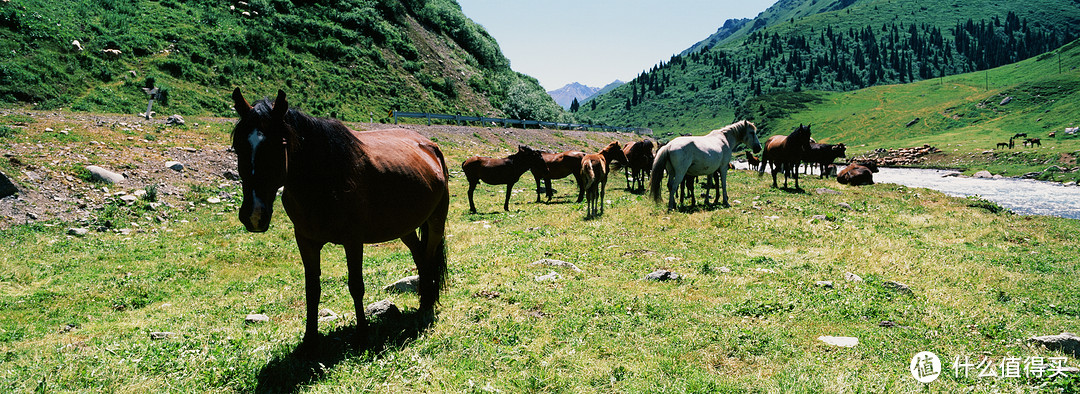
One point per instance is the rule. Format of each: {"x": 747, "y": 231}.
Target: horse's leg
{"x": 354, "y": 257}
{"x": 718, "y": 179}
{"x": 472, "y": 188}
{"x": 773, "y": 167}
{"x": 580, "y": 186}
{"x": 309, "y": 253}
{"x": 797, "y": 177}
{"x": 603, "y": 185}
{"x": 549, "y": 192}
{"x": 506, "y": 202}
{"x": 674, "y": 184}
{"x": 537, "y": 179}
{"x": 723, "y": 185}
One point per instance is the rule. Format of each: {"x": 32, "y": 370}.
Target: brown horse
{"x": 343, "y": 187}
{"x": 639, "y": 159}
{"x": 504, "y": 171}
{"x": 858, "y": 174}
{"x": 823, "y": 155}
{"x": 784, "y": 153}
{"x": 558, "y": 166}
{"x": 594, "y": 171}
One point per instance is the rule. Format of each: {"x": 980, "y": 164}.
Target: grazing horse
{"x": 1032, "y": 142}
{"x": 823, "y": 155}
{"x": 343, "y": 187}
{"x": 558, "y": 166}
{"x": 639, "y": 157}
{"x": 702, "y": 155}
{"x": 504, "y": 171}
{"x": 594, "y": 171}
{"x": 858, "y": 174}
{"x": 784, "y": 153}
{"x": 752, "y": 161}
{"x": 1002, "y": 145}
{"x": 1019, "y": 135}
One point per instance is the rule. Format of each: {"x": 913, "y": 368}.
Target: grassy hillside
{"x": 351, "y": 58}
{"x": 836, "y": 46}
{"x": 957, "y": 114}
{"x": 76, "y": 313}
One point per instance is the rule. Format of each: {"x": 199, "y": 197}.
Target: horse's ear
{"x": 241, "y": 105}
{"x": 281, "y": 106}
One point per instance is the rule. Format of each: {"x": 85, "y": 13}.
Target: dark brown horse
{"x": 343, "y": 187}
{"x": 504, "y": 171}
{"x": 858, "y": 173}
{"x": 822, "y": 155}
{"x": 784, "y": 153}
{"x": 639, "y": 159}
{"x": 558, "y": 166}
{"x": 594, "y": 172}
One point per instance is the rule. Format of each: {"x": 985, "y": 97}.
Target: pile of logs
{"x": 900, "y": 157}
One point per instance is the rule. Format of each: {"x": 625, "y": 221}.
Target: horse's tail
{"x": 657, "y": 174}
{"x": 433, "y": 267}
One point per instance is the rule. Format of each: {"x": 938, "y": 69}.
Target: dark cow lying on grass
{"x": 858, "y": 174}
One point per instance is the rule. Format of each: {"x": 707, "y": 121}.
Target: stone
{"x": 78, "y": 232}
{"x": 826, "y": 284}
{"x": 899, "y": 287}
{"x": 823, "y": 190}
{"x": 819, "y": 218}
{"x": 6, "y": 187}
{"x": 174, "y": 120}
{"x": 844, "y": 206}
{"x": 408, "y": 284}
{"x": 662, "y": 275}
{"x": 99, "y": 174}
{"x": 256, "y": 318}
{"x": 839, "y": 341}
{"x": 983, "y": 174}
{"x": 213, "y": 200}
{"x": 129, "y": 199}
{"x": 557, "y": 263}
{"x": 231, "y": 175}
{"x": 724, "y": 269}
{"x": 1066, "y": 342}
{"x": 174, "y": 165}
{"x": 156, "y": 335}
{"x": 384, "y": 309}
{"x": 850, "y": 277}
{"x": 1006, "y": 100}
{"x": 326, "y": 314}
{"x": 550, "y": 277}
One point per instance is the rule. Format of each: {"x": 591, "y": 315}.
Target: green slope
{"x": 836, "y": 46}
{"x": 963, "y": 115}
{"x": 352, "y": 58}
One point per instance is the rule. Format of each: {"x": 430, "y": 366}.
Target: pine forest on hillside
{"x": 708, "y": 85}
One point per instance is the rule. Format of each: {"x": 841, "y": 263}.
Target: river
{"x": 1022, "y": 196}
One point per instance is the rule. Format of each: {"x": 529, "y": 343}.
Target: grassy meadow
{"x": 77, "y": 313}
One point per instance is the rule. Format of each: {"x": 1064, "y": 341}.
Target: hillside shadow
{"x": 301, "y": 367}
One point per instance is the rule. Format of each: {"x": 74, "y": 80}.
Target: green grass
{"x": 76, "y": 313}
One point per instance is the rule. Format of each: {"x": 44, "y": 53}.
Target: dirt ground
{"x": 46, "y": 152}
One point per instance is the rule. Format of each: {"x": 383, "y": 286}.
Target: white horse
{"x": 702, "y": 155}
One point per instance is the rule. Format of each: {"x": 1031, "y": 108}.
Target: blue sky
{"x": 598, "y": 41}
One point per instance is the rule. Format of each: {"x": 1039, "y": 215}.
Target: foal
{"x": 594, "y": 170}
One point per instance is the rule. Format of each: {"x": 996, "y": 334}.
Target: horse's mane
{"x": 740, "y": 125}
{"x": 320, "y": 143}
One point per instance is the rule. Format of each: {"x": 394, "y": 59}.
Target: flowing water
{"x": 1022, "y": 196}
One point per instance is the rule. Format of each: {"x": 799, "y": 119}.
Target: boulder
{"x": 174, "y": 120}
{"x": 983, "y": 174}
{"x": 99, "y": 174}
{"x": 6, "y": 187}
{"x": 662, "y": 275}
{"x": 256, "y": 318}
{"x": 850, "y": 277}
{"x": 384, "y": 309}
{"x": 1066, "y": 342}
{"x": 839, "y": 341}
{"x": 899, "y": 287}
{"x": 174, "y": 165}
{"x": 408, "y": 284}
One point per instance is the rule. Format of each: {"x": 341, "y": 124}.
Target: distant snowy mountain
{"x": 565, "y": 95}
{"x": 605, "y": 89}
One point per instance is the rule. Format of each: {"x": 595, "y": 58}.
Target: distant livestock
{"x": 112, "y": 53}
{"x": 858, "y": 174}
{"x": 823, "y": 155}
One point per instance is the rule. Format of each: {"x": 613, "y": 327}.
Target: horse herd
{"x": 350, "y": 188}
{"x": 683, "y": 159}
